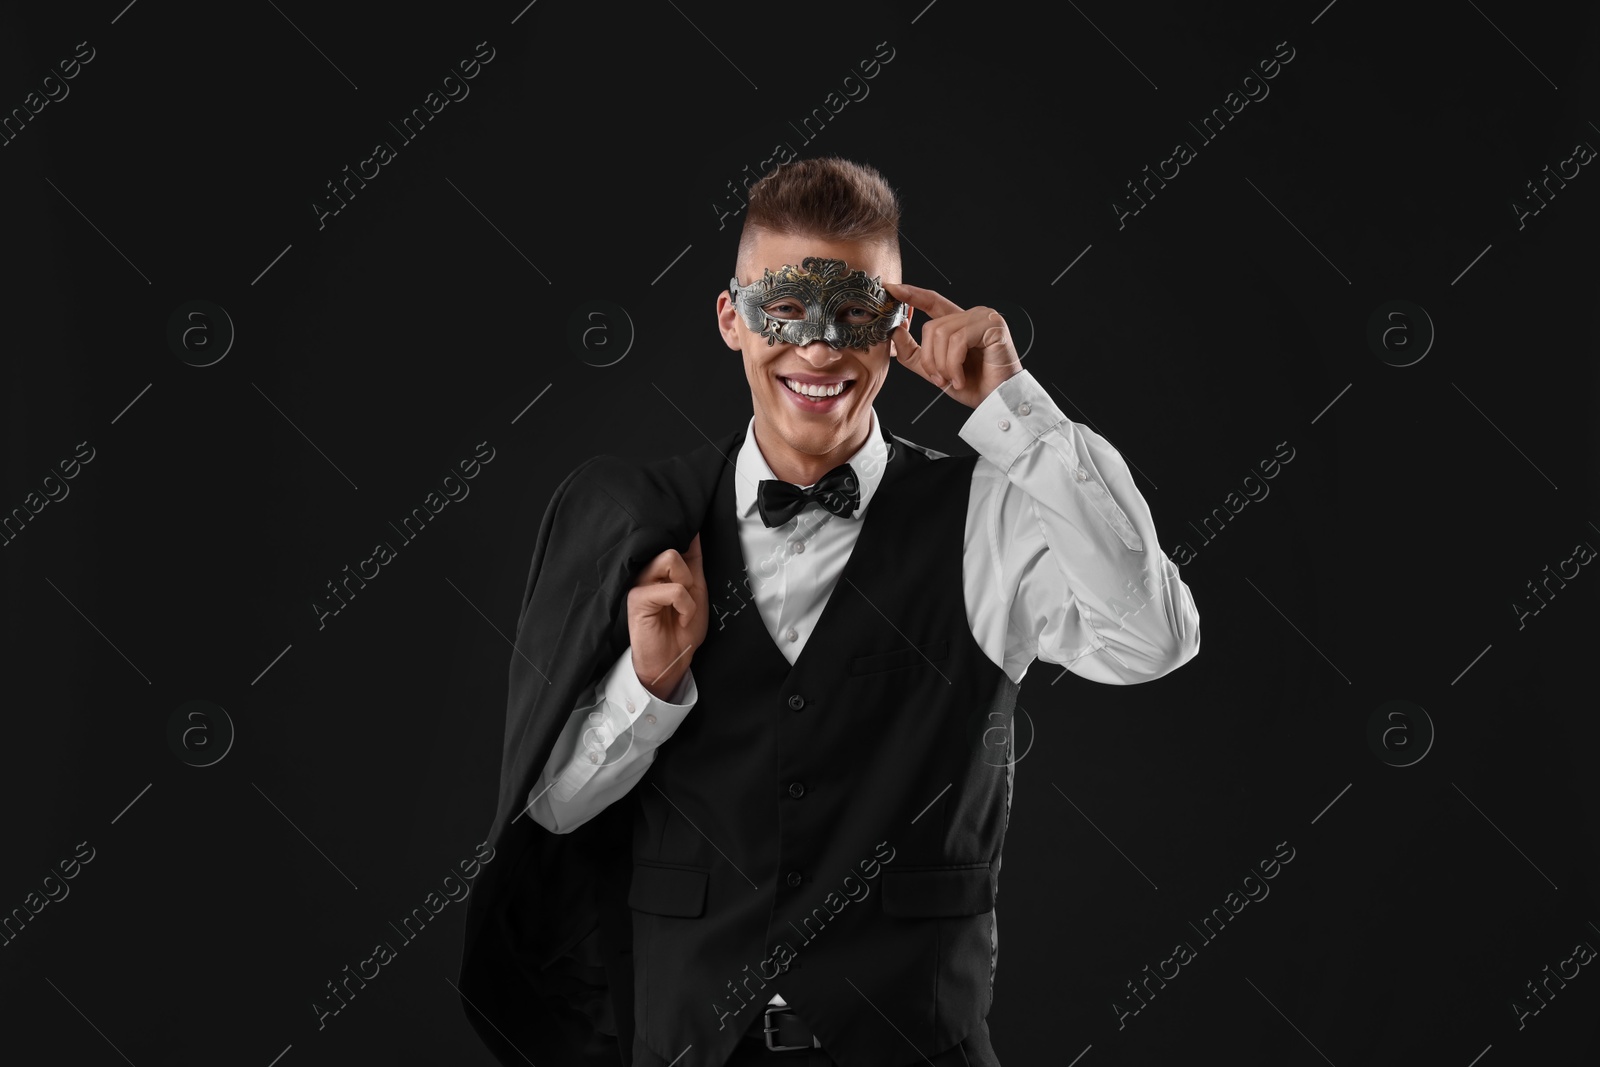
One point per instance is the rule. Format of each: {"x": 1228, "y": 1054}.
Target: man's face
{"x": 815, "y": 428}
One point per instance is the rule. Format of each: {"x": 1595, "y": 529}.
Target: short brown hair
{"x": 828, "y": 197}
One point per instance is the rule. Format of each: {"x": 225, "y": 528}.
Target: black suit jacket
{"x": 546, "y": 970}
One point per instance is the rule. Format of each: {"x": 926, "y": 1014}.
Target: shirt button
{"x": 630, "y": 703}
{"x": 794, "y": 878}
{"x": 594, "y": 757}
{"x": 1004, "y": 424}
{"x": 797, "y": 790}
{"x": 798, "y": 546}
{"x": 1024, "y": 407}
{"x": 651, "y": 719}
{"x": 792, "y": 635}
{"x": 1079, "y": 474}
{"x": 796, "y": 701}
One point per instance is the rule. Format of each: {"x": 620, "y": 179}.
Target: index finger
{"x": 922, "y": 299}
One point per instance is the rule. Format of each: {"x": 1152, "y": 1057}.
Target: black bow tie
{"x": 780, "y": 501}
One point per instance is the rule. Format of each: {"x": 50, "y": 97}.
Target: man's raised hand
{"x": 966, "y": 352}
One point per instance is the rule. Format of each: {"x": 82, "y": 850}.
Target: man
{"x": 794, "y": 745}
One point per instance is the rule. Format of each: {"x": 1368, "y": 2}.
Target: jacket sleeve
{"x": 545, "y": 971}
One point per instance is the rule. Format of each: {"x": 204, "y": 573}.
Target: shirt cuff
{"x": 1010, "y": 419}
{"x": 627, "y": 722}
{"x": 652, "y": 719}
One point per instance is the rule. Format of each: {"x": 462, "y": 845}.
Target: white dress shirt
{"x": 1060, "y": 563}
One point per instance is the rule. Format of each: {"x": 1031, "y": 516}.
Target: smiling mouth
{"x": 818, "y": 393}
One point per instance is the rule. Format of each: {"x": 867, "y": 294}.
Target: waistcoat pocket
{"x": 936, "y": 651}
{"x": 937, "y": 892}
{"x": 677, "y": 891}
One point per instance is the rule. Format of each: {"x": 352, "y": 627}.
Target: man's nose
{"x": 819, "y": 353}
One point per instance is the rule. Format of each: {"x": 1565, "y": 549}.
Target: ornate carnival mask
{"x": 826, "y": 301}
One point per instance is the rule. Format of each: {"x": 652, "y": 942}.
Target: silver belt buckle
{"x": 768, "y": 1029}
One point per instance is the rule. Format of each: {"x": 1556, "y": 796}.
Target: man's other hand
{"x": 668, "y": 615}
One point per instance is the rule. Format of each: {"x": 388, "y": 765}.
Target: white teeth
{"x": 815, "y": 390}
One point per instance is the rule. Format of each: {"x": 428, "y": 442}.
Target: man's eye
{"x": 786, "y": 309}
{"x": 858, "y": 314}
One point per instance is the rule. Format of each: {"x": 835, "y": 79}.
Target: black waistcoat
{"x": 831, "y": 830}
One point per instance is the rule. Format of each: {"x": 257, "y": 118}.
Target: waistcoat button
{"x": 796, "y": 790}
{"x": 794, "y": 878}
{"x": 796, "y": 701}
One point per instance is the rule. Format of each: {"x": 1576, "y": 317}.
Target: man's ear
{"x": 727, "y": 320}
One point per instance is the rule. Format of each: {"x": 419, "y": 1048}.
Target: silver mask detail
{"x": 824, "y": 287}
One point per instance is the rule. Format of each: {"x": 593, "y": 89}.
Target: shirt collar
{"x": 751, "y": 467}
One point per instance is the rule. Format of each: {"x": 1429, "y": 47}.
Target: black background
{"x": 1383, "y": 565}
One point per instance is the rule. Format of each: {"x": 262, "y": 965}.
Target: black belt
{"x": 781, "y": 1030}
